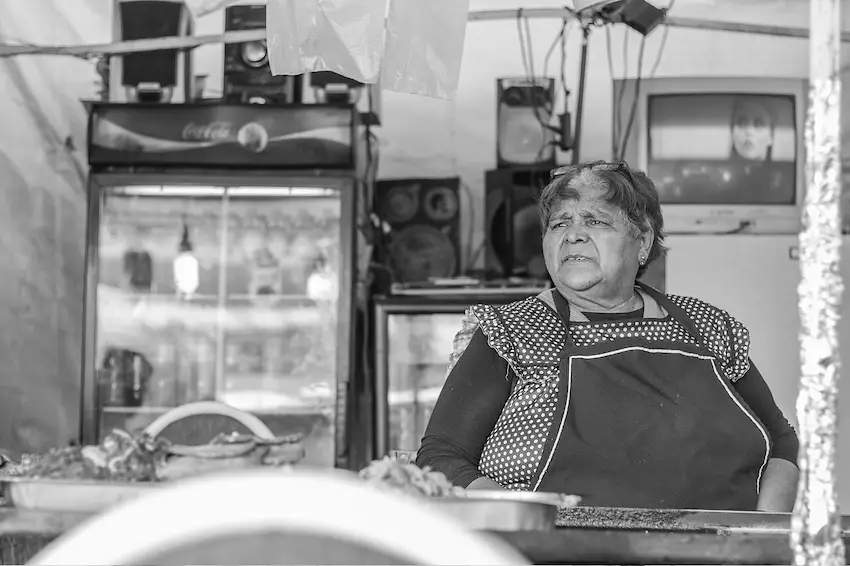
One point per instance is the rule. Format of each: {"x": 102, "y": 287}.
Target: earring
{"x": 641, "y": 259}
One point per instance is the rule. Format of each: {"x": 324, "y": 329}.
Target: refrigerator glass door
{"x": 226, "y": 294}
{"x": 418, "y": 354}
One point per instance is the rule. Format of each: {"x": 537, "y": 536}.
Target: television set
{"x": 726, "y": 154}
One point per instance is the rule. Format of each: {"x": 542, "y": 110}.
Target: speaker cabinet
{"x": 512, "y": 222}
{"x": 168, "y": 72}
{"x": 247, "y": 75}
{"x": 424, "y": 216}
{"x": 524, "y": 133}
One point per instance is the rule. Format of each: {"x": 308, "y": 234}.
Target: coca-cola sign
{"x": 256, "y": 136}
{"x": 214, "y": 131}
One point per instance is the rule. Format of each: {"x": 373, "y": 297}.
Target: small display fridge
{"x": 414, "y": 337}
{"x": 227, "y": 281}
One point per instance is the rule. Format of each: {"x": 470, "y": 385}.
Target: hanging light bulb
{"x": 186, "y": 267}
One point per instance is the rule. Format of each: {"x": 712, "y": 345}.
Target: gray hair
{"x": 629, "y": 190}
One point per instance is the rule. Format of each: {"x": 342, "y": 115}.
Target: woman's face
{"x": 752, "y": 131}
{"x": 590, "y": 248}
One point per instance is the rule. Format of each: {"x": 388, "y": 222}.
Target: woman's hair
{"x": 630, "y": 190}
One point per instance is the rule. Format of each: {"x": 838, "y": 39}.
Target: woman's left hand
{"x": 778, "y": 486}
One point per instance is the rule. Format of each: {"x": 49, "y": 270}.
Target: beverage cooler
{"x": 220, "y": 266}
{"x": 414, "y": 337}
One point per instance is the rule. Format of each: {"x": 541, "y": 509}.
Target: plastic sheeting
{"x": 417, "y": 49}
{"x": 343, "y": 36}
{"x": 424, "y": 47}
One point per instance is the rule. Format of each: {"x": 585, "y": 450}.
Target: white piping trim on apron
{"x": 652, "y": 351}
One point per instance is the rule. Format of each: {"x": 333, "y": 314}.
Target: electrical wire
{"x": 660, "y": 54}
{"x": 616, "y": 134}
{"x": 565, "y": 30}
{"x": 661, "y": 47}
{"x": 552, "y": 47}
{"x": 526, "y": 64}
{"x": 625, "y": 139}
{"x": 618, "y": 107}
{"x": 527, "y": 52}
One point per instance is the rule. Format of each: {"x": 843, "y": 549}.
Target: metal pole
{"x": 259, "y": 34}
{"x": 580, "y": 103}
{"x": 816, "y": 521}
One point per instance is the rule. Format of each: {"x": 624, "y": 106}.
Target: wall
{"x": 42, "y": 224}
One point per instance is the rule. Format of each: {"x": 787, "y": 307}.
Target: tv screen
{"x": 723, "y": 148}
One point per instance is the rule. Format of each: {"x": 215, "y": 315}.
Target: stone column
{"x": 816, "y": 522}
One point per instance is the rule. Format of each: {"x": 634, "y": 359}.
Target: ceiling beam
{"x": 241, "y": 36}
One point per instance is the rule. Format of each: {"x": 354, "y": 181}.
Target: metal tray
{"x": 83, "y": 496}
{"x": 505, "y": 510}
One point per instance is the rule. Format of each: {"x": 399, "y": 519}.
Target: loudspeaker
{"x": 512, "y": 222}
{"x": 333, "y": 88}
{"x": 424, "y": 216}
{"x": 525, "y": 135}
{"x": 247, "y": 75}
{"x": 153, "y": 76}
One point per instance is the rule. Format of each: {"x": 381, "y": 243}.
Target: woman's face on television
{"x": 752, "y": 131}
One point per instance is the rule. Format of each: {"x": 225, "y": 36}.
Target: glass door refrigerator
{"x": 220, "y": 285}
{"x": 414, "y": 337}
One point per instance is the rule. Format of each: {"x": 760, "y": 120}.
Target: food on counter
{"x": 120, "y": 456}
{"x": 125, "y": 457}
{"x": 409, "y": 478}
{"x": 228, "y": 452}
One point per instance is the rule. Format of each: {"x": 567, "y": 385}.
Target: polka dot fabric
{"x": 529, "y": 335}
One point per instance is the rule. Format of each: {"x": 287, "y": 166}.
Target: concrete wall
{"x": 42, "y": 219}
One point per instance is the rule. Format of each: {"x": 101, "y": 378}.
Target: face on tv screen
{"x": 723, "y": 148}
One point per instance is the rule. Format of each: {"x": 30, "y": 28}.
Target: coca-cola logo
{"x": 214, "y": 131}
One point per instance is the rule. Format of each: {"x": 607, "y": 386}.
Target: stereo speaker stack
{"x": 525, "y": 154}
{"x": 424, "y": 220}
{"x": 247, "y": 74}
{"x": 153, "y": 76}
{"x": 514, "y": 239}
{"x": 525, "y": 137}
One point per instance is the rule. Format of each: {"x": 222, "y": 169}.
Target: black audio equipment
{"x": 424, "y": 216}
{"x": 247, "y": 74}
{"x": 512, "y": 222}
{"x": 151, "y": 76}
{"x": 525, "y": 135}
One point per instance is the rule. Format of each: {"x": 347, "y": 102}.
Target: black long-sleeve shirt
{"x": 472, "y": 401}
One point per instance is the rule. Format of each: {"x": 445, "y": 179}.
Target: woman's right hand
{"x": 484, "y": 483}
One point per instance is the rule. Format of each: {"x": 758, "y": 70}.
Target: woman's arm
{"x": 779, "y": 480}
{"x": 778, "y": 486}
{"x": 469, "y": 405}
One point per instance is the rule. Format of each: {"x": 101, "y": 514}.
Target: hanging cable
{"x": 661, "y": 47}
{"x": 633, "y": 111}
{"x": 615, "y": 126}
{"x": 618, "y": 106}
{"x": 558, "y": 38}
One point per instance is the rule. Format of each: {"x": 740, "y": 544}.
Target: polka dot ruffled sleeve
{"x": 468, "y": 326}
{"x": 737, "y": 362}
{"x": 721, "y": 333}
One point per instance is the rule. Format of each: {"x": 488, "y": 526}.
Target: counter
{"x": 584, "y": 536}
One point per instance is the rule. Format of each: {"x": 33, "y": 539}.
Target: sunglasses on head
{"x": 617, "y": 166}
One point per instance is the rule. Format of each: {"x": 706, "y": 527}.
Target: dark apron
{"x": 651, "y": 424}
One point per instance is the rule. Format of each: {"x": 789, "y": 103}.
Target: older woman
{"x": 605, "y": 388}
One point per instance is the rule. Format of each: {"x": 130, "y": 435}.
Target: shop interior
{"x": 246, "y": 244}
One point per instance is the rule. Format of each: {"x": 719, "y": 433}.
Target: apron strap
{"x": 677, "y": 312}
